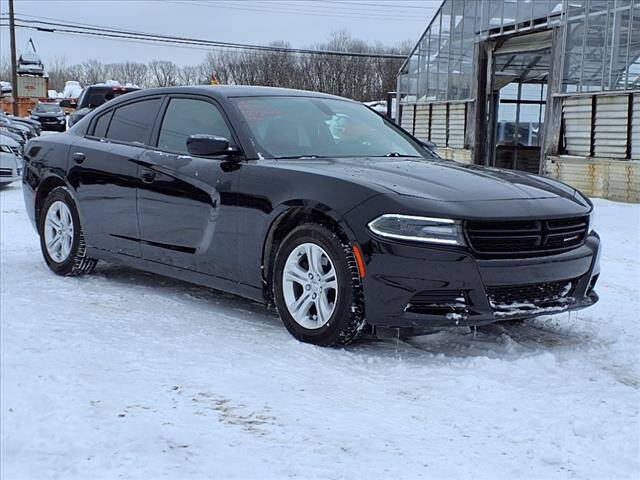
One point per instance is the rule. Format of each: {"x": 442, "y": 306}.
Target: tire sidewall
{"x": 60, "y": 194}
{"x": 329, "y": 333}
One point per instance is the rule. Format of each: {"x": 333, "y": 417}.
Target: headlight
{"x": 418, "y": 229}
{"x": 592, "y": 220}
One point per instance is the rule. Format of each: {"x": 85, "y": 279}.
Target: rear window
{"x": 133, "y": 122}
{"x": 95, "y": 97}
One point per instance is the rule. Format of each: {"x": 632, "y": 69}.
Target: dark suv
{"x": 92, "y": 97}
{"x": 310, "y": 202}
{"x": 50, "y": 115}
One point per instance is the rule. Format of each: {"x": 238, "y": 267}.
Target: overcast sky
{"x": 299, "y": 22}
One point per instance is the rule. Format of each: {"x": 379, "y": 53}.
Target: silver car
{"x": 10, "y": 166}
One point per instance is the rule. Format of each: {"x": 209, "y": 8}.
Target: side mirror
{"x": 66, "y": 104}
{"x": 209, "y": 145}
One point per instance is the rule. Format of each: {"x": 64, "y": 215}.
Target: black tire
{"x": 347, "y": 320}
{"x": 77, "y": 262}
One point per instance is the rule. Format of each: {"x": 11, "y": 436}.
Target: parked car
{"x": 11, "y": 143}
{"x": 24, "y": 131}
{"x": 17, "y": 137}
{"x": 35, "y": 125}
{"x": 50, "y": 115}
{"x": 245, "y": 189}
{"x": 91, "y": 98}
{"x": 10, "y": 166}
{"x": 5, "y": 88}
{"x": 30, "y": 64}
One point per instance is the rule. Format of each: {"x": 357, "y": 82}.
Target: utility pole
{"x": 14, "y": 67}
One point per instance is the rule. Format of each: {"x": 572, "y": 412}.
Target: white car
{"x": 10, "y": 166}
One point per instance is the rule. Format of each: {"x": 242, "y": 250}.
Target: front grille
{"x": 6, "y": 172}
{"x": 532, "y": 295}
{"x": 526, "y": 237}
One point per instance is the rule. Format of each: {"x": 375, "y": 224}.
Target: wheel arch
{"x": 45, "y": 188}
{"x": 289, "y": 216}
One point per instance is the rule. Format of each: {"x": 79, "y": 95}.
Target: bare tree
{"x": 164, "y": 73}
{"x": 360, "y": 78}
{"x": 93, "y": 71}
{"x": 190, "y": 75}
{"x": 130, "y": 72}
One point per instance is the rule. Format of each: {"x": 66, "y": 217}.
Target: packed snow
{"x": 124, "y": 374}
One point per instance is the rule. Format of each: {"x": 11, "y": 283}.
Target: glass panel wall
{"x": 601, "y": 48}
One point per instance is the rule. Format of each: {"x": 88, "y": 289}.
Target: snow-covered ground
{"x": 124, "y": 374}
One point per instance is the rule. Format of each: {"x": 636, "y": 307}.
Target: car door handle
{"x": 78, "y": 157}
{"x": 147, "y": 175}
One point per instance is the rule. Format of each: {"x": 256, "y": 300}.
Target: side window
{"x": 101, "y": 125}
{"x": 186, "y": 117}
{"x": 133, "y": 122}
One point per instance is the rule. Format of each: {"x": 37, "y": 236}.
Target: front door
{"x": 185, "y": 203}
{"x": 103, "y": 170}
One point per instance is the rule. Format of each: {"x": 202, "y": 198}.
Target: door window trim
{"x": 113, "y": 108}
{"x": 155, "y": 134}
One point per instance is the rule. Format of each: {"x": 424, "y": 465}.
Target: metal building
{"x": 548, "y": 86}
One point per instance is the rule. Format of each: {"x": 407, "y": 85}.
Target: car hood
{"x": 444, "y": 181}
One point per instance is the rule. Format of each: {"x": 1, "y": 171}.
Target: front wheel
{"x": 317, "y": 286}
{"x": 61, "y": 237}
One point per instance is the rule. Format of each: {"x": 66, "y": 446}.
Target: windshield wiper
{"x": 295, "y": 157}
{"x": 396, "y": 154}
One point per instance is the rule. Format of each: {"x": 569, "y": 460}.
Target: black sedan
{"x": 311, "y": 203}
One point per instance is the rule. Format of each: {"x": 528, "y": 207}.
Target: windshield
{"x": 293, "y": 127}
{"x": 48, "y": 108}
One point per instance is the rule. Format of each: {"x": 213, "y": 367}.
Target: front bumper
{"x": 57, "y": 124}
{"x": 10, "y": 175}
{"x": 418, "y": 286}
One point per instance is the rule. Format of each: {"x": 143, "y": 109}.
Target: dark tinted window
{"x": 133, "y": 122}
{"x": 102, "y": 124}
{"x": 186, "y": 117}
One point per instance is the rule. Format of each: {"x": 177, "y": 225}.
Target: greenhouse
{"x": 545, "y": 86}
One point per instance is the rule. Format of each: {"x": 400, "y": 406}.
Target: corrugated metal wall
{"x": 439, "y": 124}
{"x": 422, "y": 122}
{"x": 406, "y": 118}
{"x": 442, "y": 123}
{"x": 607, "y": 178}
{"x": 610, "y": 131}
{"x": 576, "y": 122}
{"x": 457, "y": 118}
{"x": 635, "y": 129}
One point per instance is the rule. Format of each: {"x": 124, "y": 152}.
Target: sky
{"x": 302, "y": 23}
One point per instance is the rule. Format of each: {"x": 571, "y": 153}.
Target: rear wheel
{"x": 61, "y": 237}
{"x": 317, "y": 288}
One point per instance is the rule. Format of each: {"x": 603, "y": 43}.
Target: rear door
{"x": 103, "y": 170}
{"x": 186, "y": 203}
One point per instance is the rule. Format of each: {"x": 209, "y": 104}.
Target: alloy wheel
{"x": 58, "y": 231}
{"x": 310, "y": 285}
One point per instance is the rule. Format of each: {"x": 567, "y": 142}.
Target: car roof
{"x": 230, "y": 91}
{"x": 104, "y": 86}
{"x": 29, "y": 57}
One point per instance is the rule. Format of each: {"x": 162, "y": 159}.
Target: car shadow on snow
{"x": 497, "y": 340}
